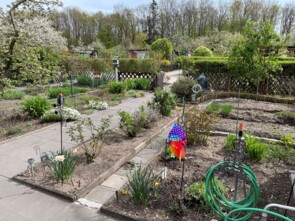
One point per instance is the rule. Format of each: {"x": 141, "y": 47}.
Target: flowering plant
{"x": 100, "y": 105}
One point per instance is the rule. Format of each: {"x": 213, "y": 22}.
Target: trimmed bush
{"x": 138, "y": 84}
{"x": 203, "y": 51}
{"x": 139, "y": 66}
{"x": 116, "y": 87}
{"x": 84, "y": 81}
{"x": 165, "y": 62}
{"x": 35, "y": 106}
{"x": 183, "y": 87}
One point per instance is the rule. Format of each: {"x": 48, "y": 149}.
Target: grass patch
{"x": 134, "y": 94}
{"x": 14, "y": 131}
{"x": 222, "y": 109}
{"x": 65, "y": 90}
{"x": 12, "y": 95}
{"x": 88, "y": 111}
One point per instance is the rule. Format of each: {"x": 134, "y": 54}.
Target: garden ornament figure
{"x": 30, "y": 167}
{"x": 203, "y": 81}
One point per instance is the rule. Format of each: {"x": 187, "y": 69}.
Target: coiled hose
{"x": 220, "y": 204}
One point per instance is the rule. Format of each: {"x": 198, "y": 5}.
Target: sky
{"x": 105, "y": 5}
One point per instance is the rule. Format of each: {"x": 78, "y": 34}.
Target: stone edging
{"x": 102, "y": 177}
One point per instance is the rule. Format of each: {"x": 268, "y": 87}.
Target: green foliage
{"x": 163, "y": 47}
{"x": 203, "y": 51}
{"x": 255, "y": 148}
{"x": 199, "y": 125}
{"x": 222, "y": 109}
{"x": 116, "y": 87}
{"x": 84, "y": 81}
{"x": 183, "y": 87}
{"x": 141, "y": 184}
{"x": 50, "y": 117}
{"x": 65, "y": 90}
{"x": 285, "y": 154}
{"x": 12, "y": 95}
{"x": 76, "y": 64}
{"x": 287, "y": 117}
{"x": 91, "y": 148}
{"x": 35, "y": 106}
{"x": 137, "y": 84}
{"x": 288, "y": 140}
{"x": 62, "y": 165}
{"x": 165, "y": 62}
{"x": 131, "y": 125}
{"x": 68, "y": 114}
{"x": 163, "y": 101}
{"x": 196, "y": 192}
{"x": 255, "y": 55}
{"x": 139, "y": 66}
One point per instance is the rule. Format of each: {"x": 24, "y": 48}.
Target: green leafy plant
{"x": 35, "y": 106}
{"x": 134, "y": 94}
{"x": 85, "y": 80}
{"x": 255, "y": 148}
{"x": 62, "y": 165}
{"x": 163, "y": 47}
{"x": 165, "y": 62}
{"x": 203, "y": 51}
{"x": 183, "y": 87}
{"x": 132, "y": 125}
{"x": 141, "y": 184}
{"x": 196, "y": 192}
{"x": 137, "y": 84}
{"x": 288, "y": 140}
{"x": 91, "y": 148}
{"x": 68, "y": 114}
{"x": 163, "y": 101}
{"x": 199, "y": 124}
{"x": 287, "y": 117}
{"x": 285, "y": 154}
{"x": 116, "y": 87}
{"x": 222, "y": 109}
{"x": 14, "y": 130}
{"x": 12, "y": 95}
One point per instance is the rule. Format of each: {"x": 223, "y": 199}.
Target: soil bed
{"x": 259, "y": 119}
{"x": 273, "y": 178}
{"x": 116, "y": 148}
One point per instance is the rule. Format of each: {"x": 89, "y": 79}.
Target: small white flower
{"x": 60, "y": 158}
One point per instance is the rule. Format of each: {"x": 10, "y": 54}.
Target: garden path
{"x": 23, "y": 203}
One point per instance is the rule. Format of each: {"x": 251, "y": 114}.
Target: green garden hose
{"x": 220, "y": 204}
{"x": 255, "y": 210}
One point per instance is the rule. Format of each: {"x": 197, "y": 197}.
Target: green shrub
{"x": 285, "y": 154}
{"x": 139, "y": 66}
{"x": 199, "y": 124}
{"x": 50, "y": 117}
{"x": 65, "y": 90}
{"x": 12, "y": 95}
{"x": 165, "y": 62}
{"x": 287, "y": 117}
{"x": 131, "y": 125}
{"x": 35, "y": 106}
{"x": 203, "y": 51}
{"x": 163, "y": 101}
{"x": 116, "y": 87}
{"x": 141, "y": 184}
{"x": 92, "y": 148}
{"x": 137, "y": 84}
{"x": 62, "y": 165}
{"x": 183, "y": 88}
{"x": 84, "y": 81}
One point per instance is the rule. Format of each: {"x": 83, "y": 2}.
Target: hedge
{"x": 75, "y": 64}
{"x": 195, "y": 65}
{"x": 139, "y": 65}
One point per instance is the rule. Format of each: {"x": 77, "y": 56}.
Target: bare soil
{"x": 273, "y": 177}
{"x": 117, "y": 145}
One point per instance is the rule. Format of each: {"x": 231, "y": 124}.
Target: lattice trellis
{"x": 278, "y": 84}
